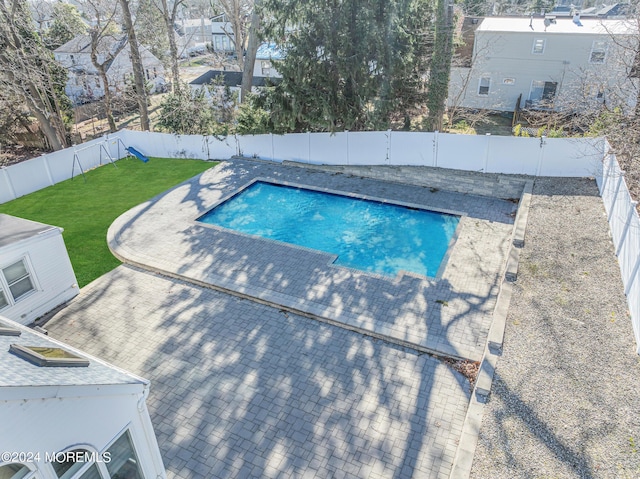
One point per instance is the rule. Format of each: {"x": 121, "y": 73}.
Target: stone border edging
{"x": 463, "y": 460}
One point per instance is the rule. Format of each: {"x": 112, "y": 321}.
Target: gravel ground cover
{"x": 565, "y": 401}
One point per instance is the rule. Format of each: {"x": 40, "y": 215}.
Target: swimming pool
{"x": 372, "y": 236}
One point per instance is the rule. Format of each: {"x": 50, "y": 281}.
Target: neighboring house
{"x": 551, "y": 63}
{"x": 222, "y": 37}
{"x": 35, "y": 272}
{"x": 232, "y": 79}
{"x": 263, "y": 72}
{"x": 85, "y": 84}
{"x": 266, "y": 54}
{"x": 194, "y": 34}
{"x": 68, "y": 415}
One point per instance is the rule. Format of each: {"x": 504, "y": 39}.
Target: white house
{"x": 549, "y": 63}
{"x": 84, "y": 83}
{"x": 35, "y": 272}
{"x": 222, "y": 37}
{"x": 67, "y": 415}
{"x": 266, "y": 54}
{"x": 263, "y": 72}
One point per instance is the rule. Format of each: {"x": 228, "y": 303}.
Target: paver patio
{"x": 449, "y": 316}
{"x": 241, "y": 389}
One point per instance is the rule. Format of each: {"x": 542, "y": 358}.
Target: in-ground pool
{"x": 368, "y": 235}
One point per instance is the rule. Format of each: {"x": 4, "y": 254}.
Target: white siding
{"x": 51, "y": 272}
{"x": 53, "y": 424}
{"x": 565, "y": 60}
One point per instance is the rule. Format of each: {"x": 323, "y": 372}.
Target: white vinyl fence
{"x": 490, "y": 154}
{"x": 46, "y": 170}
{"x": 625, "y": 231}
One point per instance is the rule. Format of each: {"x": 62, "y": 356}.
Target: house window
{"x": 266, "y": 68}
{"x": 538, "y": 46}
{"x": 508, "y": 81}
{"x": 15, "y": 282}
{"x": 3, "y": 299}
{"x": 598, "y": 52}
{"x": 16, "y": 471}
{"x": 543, "y": 93}
{"x": 483, "y": 86}
{"x": 68, "y": 463}
{"x": 123, "y": 459}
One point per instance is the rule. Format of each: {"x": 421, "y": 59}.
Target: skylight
{"x": 48, "y": 357}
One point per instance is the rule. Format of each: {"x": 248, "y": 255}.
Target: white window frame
{"x": 4, "y": 284}
{"x": 598, "y": 46}
{"x": 266, "y": 67}
{"x": 101, "y": 465}
{"x": 33, "y": 472}
{"x": 488, "y": 86}
{"x": 536, "y": 42}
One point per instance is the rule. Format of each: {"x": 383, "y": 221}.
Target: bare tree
{"x": 252, "y": 50}
{"x": 103, "y": 34}
{"x": 170, "y": 14}
{"x": 136, "y": 63}
{"x": 28, "y": 71}
{"x": 237, "y": 13}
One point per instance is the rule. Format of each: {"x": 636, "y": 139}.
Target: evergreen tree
{"x": 67, "y": 24}
{"x": 348, "y": 64}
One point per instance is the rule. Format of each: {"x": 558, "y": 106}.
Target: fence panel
{"x": 29, "y": 176}
{"x": 513, "y": 155}
{"x": 291, "y": 147}
{"x": 60, "y": 164}
{"x": 572, "y": 157}
{"x": 412, "y": 149}
{"x": 256, "y": 146}
{"x": 368, "y": 148}
{"x": 329, "y": 149}
{"x": 462, "y": 152}
{"x": 6, "y": 189}
{"x": 219, "y": 149}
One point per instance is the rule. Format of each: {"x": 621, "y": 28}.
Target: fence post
{"x": 541, "y": 157}
{"x": 7, "y": 180}
{"x": 632, "y": 277}
{"x": 486, "y": 155}
{"x": 615, "y": 196}
{"x": 388, "y": 159}
{"x": 435, "y": 149}
{"x": 627, "y": 224}
{"x": 347, "y": 133}
{"x": 47, "y": 169}
{"x": 273, "y": 151}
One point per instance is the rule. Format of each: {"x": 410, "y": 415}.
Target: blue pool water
{"x": 367, "y": 235}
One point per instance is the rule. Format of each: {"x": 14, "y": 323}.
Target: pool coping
{"x": 135, "y": 250}
{"x": 332, "y": 257}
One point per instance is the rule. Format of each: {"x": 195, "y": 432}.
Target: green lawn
{"x": 86, "y": 209}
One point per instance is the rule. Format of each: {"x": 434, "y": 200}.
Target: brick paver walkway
{"x": 450, "y": 316}
{"x": 240, "y": 389}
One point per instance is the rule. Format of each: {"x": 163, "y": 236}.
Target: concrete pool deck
{"x": 450, "y": 316}
{"x": 241, "y": 389}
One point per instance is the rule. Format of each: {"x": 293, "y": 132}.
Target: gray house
{"x": 549, "y": 63}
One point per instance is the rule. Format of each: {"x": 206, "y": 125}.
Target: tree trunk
{"x": 136, "y": 63}
{"x": 49, "y": 131}
{"x": 252, "y": 49}
{"x": 440, "y": 67}
{"x": 169, "y": 19}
